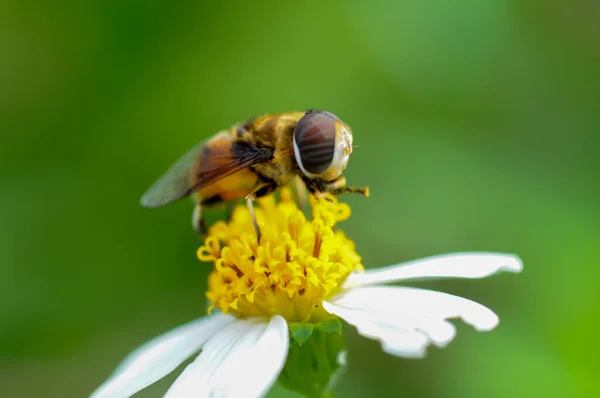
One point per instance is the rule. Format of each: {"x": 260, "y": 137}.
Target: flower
{"x": 302, "y": 272}
{"x": 297, "y": 264}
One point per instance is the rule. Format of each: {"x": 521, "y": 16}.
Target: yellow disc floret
{"x": 298, "y": 263}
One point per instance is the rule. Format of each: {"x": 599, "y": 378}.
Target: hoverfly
{"x": 254, "y": 157}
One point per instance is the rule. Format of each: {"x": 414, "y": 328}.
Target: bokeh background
{"x": 478, "y": 129}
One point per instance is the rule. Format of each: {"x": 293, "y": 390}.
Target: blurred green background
{"x": 478, "y": 129}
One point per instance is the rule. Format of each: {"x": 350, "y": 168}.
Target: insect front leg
{"x": 362, "y": 191}
{"x": 314, "y": 186}
{"x": 338, "y": 187}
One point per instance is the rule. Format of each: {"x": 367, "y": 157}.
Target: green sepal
{"x": 300, "y": 332}
{"x": 314, "y": 366}
{"x": 331, "y": 325}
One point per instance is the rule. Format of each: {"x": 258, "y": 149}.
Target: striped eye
{"x": 314, "y": 141}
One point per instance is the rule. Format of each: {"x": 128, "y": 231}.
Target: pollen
{"x": 298, "y": 263}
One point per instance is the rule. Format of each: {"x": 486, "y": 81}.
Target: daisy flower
{"x": 282, "y": 298}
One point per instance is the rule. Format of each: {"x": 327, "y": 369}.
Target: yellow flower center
{"x": 297, "y": 264}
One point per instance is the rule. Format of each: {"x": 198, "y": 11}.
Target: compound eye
{"x": 314, "y": 142}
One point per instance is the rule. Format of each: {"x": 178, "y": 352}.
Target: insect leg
{"x": 249, "y": 202}
{"x": 197, "y": 221}
{"x": 337, "y": 184}
{"x": 302, "y": 194}
{"x": 362, "y": 191}
{"x": 314, "y": 186}
{"x": 338, "y": 187}
{"x": 260, "y": 191}
{"x": 264, "y": 189}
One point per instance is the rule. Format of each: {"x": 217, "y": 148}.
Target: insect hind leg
{"x": 198, "y": 222}
{"x": 259, "y": 192}
{"x": 250, "y": 203}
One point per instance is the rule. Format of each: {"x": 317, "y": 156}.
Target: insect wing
{"x": 175, "y": 182}
{"x": 201, "y": 166}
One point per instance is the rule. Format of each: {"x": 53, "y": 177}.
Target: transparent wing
{"x": 175, "y": 183}
{"x": 204, "y": 164}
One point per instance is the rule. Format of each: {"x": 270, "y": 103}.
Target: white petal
{"x": 406, "y": 320}
{"x": 396, "y": 338}
{"x": 243, "y": 360}
{"x": 260, "y": 367}
{"x": 457, "y": 265}
{"x": 196, "y": 378}
{"x": 417, "y": 303}
{"x": 160, "y": 356}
